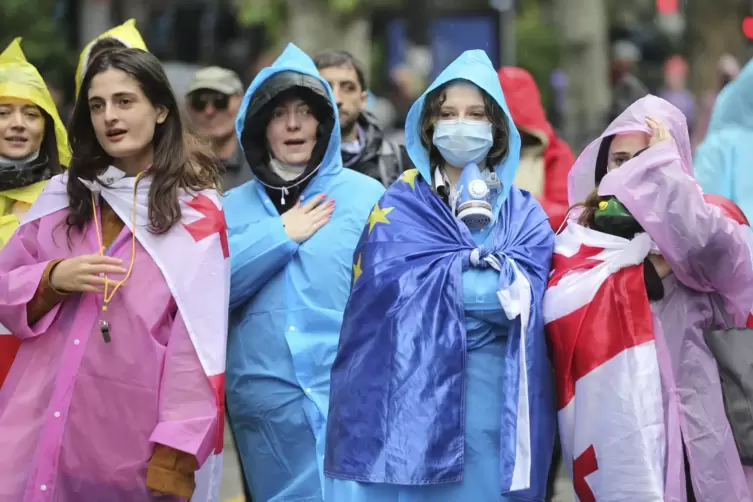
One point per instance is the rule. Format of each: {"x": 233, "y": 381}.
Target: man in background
{"x": 364, "y": 147}
{"x": 212, "y": 101}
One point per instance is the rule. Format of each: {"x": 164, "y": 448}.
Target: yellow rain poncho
{"x": 125, "y": 33}
{"x": 19, "y": 79}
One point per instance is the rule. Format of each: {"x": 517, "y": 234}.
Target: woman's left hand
{"x": 659, "y": 131}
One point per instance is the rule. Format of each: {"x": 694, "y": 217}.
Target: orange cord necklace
{"x": 104, "y": 326}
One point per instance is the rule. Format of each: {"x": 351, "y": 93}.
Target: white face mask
{"x": 461, "y": 142}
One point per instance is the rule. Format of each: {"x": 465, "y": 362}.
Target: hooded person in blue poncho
{"x": 442, "y": 389}
{"x": 722, "y": 162}
{"x": 292, "y": 232}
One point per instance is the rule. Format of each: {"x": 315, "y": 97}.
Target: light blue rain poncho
{"x": 439, "y": 392}
{"x": 287, "y": 303}
{"x": 722, "y": 163}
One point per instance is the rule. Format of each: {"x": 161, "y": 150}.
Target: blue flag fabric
{"x": 397, "y": 390}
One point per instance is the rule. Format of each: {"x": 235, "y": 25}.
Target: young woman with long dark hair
{"x": 117, "y": 287}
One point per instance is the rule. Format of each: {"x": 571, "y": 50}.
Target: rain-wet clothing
{"x": 126, "y": 33}
{"x": 80, "y": 415}
{"x": 722, "y": 160}
{"x": 442, "y": 388}
{"x": 22, "y": 182}
{"x": 657, "y": 187}
{"x": 287, "y": 299}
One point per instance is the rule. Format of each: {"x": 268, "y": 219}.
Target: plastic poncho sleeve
{"x": 714, "y": 163}
{"x": 694, "y": 237}
{"x": 259, "y": 250}
{"x": 187, "y": 405}
{"x": 21, "y": 269}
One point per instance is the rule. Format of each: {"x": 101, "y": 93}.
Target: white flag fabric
{"x": 600, "y": 326}
{"x": 193, "y": 258}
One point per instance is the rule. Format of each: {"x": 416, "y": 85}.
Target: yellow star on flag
{"x": 409, "y": 177}
{"x": 357, "y": 271}
{"x": 378, "y": 215}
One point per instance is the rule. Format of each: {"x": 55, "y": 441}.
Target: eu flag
{"x": 398, "y": 379}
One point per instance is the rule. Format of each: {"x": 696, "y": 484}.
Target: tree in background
{"x": 43, "y": 42}
{"x": 582, "y": 30}
{"x": 314, "y": 25}
{"x": 536, "y": 45}
{"x": 714, "y": 28}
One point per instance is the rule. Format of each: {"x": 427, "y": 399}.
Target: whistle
{"x": 104, "y": 328}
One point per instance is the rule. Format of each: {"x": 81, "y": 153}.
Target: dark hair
{"x": 430, "y": 114}
{"x": 328, "y": 59}
{"x": 181, "y": 161}
{"x": 104, "y": 45}
{"x": 49, "y": 145}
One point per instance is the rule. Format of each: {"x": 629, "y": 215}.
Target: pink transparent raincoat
{"x": 707, "y": 252}
{"x": 79, "y": 417}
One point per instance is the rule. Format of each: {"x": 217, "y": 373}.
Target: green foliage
{"x": 537, "y": 48}
{"x": 42, "y": 42}
{"x": 272, "y": 13}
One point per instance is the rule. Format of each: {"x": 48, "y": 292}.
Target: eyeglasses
{"x": 200, "y": 100}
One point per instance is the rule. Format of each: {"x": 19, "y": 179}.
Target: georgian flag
{"x": 609, "y": 398}
{"x": 199, "y": 280}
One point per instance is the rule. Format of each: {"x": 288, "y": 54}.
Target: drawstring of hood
{"x": 285, "y": 190}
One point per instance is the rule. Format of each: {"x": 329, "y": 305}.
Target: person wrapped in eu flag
{"x": 442, "y": 388}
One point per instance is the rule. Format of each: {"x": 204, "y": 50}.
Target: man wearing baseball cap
{"x": 212, "y": 101}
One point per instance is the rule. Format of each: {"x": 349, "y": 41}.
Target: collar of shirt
{"x": 354, "y": 147}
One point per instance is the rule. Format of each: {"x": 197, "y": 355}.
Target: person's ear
{"x": 162, "y": 113}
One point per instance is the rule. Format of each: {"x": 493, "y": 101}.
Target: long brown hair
{"x": 430, "y": 115}
{"x": 181, "y": 161}
{"x": 590, "y": 205}
{"x": 49, "y": 146}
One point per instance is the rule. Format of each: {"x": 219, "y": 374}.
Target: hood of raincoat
{"x": 19, "y": 79}
{"x": 125, "y": 33}
{"x": 475, "y": 67}
{"x": 524, "y": 99}
{"x": 292, "y": 71}
{"x": 734, "y": 104}
{"x": 581, "y": 180}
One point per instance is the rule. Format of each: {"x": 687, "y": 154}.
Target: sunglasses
{"x": 199, "y": 101}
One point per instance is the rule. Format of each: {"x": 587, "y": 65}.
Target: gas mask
{"x": 613, "y": 218}
{"x": 472, "y": 199}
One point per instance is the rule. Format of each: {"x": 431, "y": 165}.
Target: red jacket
{"x": 524, "y": 100}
